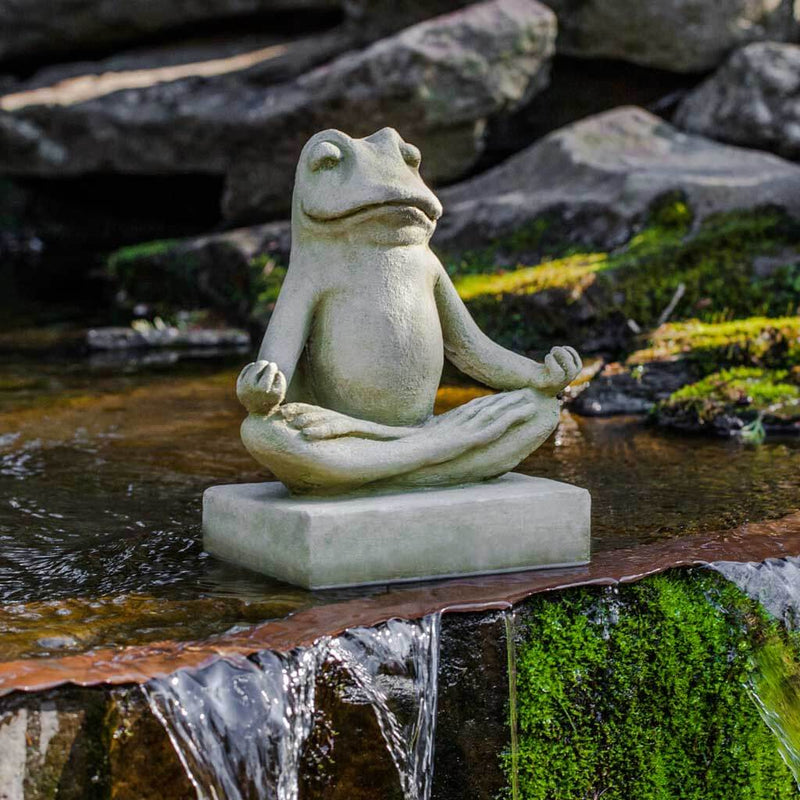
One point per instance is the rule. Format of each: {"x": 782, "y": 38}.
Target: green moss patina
{"x": 746, "y": 392}
{"x": 757, "y": 341}
{"x": 591, "y": 290}
{"x": 645, "y": 692}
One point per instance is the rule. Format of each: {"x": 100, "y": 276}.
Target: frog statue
{"x": 342, "y": 394}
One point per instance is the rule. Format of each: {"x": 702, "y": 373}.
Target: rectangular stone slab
{"x": 509, "y": 524}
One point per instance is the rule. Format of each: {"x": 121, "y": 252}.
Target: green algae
{"x": 645, "y": 692}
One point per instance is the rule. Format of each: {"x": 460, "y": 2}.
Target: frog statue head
{"x": 362, "y": 190}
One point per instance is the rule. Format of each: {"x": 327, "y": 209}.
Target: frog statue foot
{"x": 341, "y": 397}
{"x": 359, "y": 334}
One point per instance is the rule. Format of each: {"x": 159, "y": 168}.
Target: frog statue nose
{"x": 386, "y": 137}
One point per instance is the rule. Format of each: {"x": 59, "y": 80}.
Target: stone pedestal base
{"x": 509, "y": 524}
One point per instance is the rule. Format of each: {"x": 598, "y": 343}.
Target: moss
{"x": 130, "y": 256}
{"x": 744, "y": 391}
{"x": 592, "y": 291}
{"x": 564, "y": 273}
{"x": 756, "y": 341}
{"x": 172, "y": 276}
{"x": 643, "y": 692}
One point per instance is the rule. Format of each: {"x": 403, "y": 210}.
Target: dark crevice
{"x": 56, "y": 234}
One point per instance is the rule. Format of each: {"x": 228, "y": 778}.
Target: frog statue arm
{"x": 475, "y": 354}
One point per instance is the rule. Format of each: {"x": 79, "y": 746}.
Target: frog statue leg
{"x": 313, "y": 449}
{"x": 479, "y": 440}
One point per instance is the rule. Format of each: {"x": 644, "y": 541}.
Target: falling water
{"x": 395, "y": 667}
{"x": 510, "y": 620}
{"x": 240, "y": 725}
{"x": 775, "y": 583}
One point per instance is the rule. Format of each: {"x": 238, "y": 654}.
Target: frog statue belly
{"x": 386, "y": 367}
{"x": 359, "y": 333}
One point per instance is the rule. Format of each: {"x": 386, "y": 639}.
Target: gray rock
{"x": 752, "y": 100}
{"x": 119, "y": 338}
{"x": 601, "y": 175}
{"x": 437, "y": 82}
{"x": 625, "y": 391}
{"x": 675, "y": 35}
{"x": 48, "y": 28}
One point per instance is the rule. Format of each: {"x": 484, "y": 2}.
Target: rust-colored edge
{"x": 137, "y": 665}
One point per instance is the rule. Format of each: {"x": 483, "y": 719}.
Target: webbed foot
{"x": 317, "y": 423}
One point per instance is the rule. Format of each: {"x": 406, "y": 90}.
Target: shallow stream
{"x": 102, "y": 467}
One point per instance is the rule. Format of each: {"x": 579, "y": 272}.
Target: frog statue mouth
{"x": 420, "y": 210}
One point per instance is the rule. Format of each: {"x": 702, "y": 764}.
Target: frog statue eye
{"x": 411, "y": 155}
{"x": 325, "y": 155}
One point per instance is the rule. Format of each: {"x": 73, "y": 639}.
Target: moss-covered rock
{"x": 734, "y": 265}
{"x": 644, "y": 692}
{"x": 677, "y": 355}
{"x": 749, "y": 399}
{"x": 237, "y": 274}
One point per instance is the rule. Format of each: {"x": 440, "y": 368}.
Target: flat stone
{"x": 509, "y": 524}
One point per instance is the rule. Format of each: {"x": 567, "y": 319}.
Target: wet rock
{"x": 752, "y": 100}
{"x": 601, "y": 174}
{"x": 472, "y": 721}
{"x": 438, "y": 82}
{"x": 636, "y": 390}
{"x": 51, "y": 746}
{"x": 675, "y": 35}
{"x": 142, "y": 764}
{"x": 119, "y": 338}
{"x": 749, "y": 402}
{"x": 46, "y": 29}
{"x": 775, "y": 583}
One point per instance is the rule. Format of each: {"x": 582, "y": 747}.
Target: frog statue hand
{"x": 342, "y": 394}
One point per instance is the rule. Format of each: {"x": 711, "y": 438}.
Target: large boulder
{"x": 42, "y": 29}
{"x": 601, "y": 175}
{"x": 675, "y": 35}
{"x": 437, "y": 82}
{"x": 752, "y": 100}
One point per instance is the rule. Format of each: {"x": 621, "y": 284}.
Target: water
{"x": 775, "y": 583}
{"x": 102, "y": 469}
{"x": 395, "y": 667}
{"x": 773, "y": 686}
{"x": 240, "y": 726}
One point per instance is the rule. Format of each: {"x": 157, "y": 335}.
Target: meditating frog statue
{"x": 342, "y": 394}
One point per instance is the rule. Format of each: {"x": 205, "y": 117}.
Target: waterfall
{"x": 240, "y": 725}
{"x": 510, "y": 621}
{"x": 775, "y": 584}
{"x": 395, "y": 667}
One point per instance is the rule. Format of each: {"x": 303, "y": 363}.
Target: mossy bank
{"x": 653, "y": 691}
